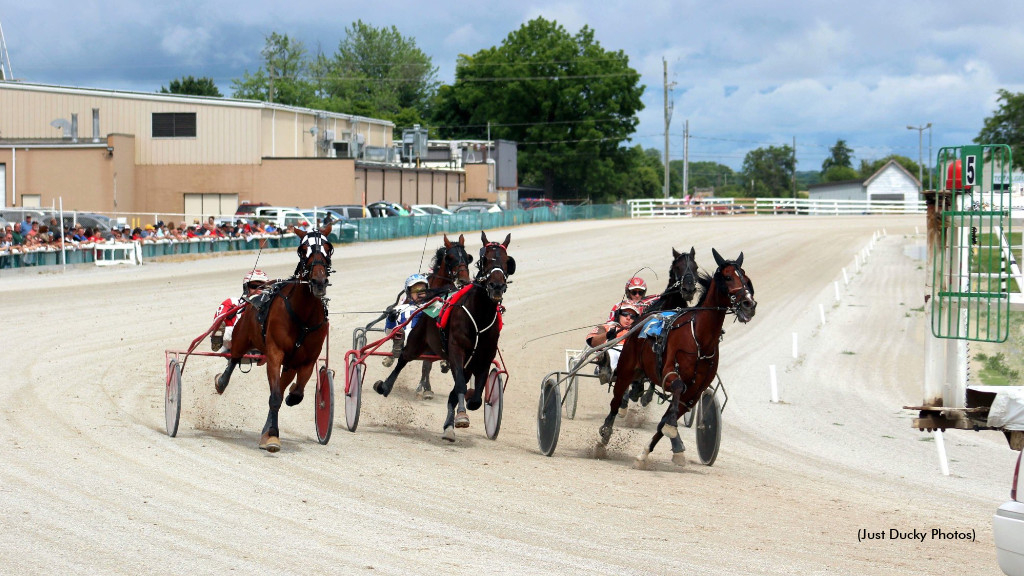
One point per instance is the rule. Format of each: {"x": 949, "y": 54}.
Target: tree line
{"x": 569, "y": 103}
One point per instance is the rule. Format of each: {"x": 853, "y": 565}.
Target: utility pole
{"x": 668, "y": 119}
{"x": 794, "y": 167}
{"x": 686, "y": 158}
{"x": 920, "y": 160}
{"x": 5, "y": 61}
{"x": 930, "y": 170}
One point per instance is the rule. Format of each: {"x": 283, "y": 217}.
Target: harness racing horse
{"x": 690, "y": 360}
{"x": 681, "y": 289}
{"x": 682, "y": 282}
{"x": 449, "y": 270}
{"x": 292, "y": 332}
{"x": 469, "y": 339}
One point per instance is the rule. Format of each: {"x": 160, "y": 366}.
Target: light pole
{"x": 920, "y": 159}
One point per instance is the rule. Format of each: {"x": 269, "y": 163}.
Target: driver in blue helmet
{"x": 415, "y": 295}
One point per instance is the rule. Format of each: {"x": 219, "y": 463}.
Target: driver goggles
{"x": 630, "y": 315}
{"x": 637, "y": 292}
{"x": 255, "y": 285}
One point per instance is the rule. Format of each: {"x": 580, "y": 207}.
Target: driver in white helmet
{"x": 252, "y": 284}
{"x": 415, "y": 296}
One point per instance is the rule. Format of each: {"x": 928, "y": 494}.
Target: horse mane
{"x": 703, "y": 285}
{"x": 438, "y": 259}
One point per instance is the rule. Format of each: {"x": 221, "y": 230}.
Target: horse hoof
{"x": 679, "y": 458}
{"x": 449, "y": 434}
{"x": 461, "y": 420}
{"x": 670, "y": 431}
{"x": 379, "y": 388}
{"x": 473, "y": 401}
{"x": 388, "y": 361}
{"x": 622, "y": 413}
{"x": 606, "y": 435}
{"x": 217, "y": 385}
{"x": 424, "y": 393}
{"x": 271, "y": 444}
{"x": 292, "y": 399}
{"x": 642, "y": 456}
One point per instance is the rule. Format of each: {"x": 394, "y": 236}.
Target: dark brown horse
{"x": 469, "y": 341}
{"x": 293, "y": 333}
{"x": 689, "y": 362}
{"x": 449, "y": 271}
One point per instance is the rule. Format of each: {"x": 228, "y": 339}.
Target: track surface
{"x": 90, "y": 483}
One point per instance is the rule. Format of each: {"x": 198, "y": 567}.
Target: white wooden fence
{"x": 676, "y": 208}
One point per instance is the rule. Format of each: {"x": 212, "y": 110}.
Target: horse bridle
{"x": 315, "y": 244}
{"x": 463, "y": 260}
{"x": 678, "y": 284}
{"x": 483, "y": 272}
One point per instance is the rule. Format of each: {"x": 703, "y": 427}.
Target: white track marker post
{"x": 837, "y": 290}
{"x": 795, "y": 349}
{"x": 821, "y": 309}
{"x": 941, "y": 446}
{"x": 774, "y": 382}
{"x": 846, "y": 279}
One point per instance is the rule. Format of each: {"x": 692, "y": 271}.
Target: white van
{"x": 282, "y": 216}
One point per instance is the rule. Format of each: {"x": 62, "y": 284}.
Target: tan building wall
{"x": 477, "y": 180}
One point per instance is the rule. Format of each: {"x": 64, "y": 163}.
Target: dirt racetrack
{"x": 91, "y": 484}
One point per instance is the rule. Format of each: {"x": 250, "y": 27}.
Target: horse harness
{"x": 476, "y": 329}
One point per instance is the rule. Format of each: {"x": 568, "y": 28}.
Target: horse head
{"x": 682, "y": 274}
{"x": 495, "y": 266}
{"x": 451, "y": 263}
{"x": 733, "y": 283}
{"x": 315, "y": 259}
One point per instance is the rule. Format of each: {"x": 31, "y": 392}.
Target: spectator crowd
{"x": 34, "y": 236}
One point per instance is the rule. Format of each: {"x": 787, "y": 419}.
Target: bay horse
{"x": 690, "y": 359}
{"x": 469, "y": 340}
{"x": 449, "y": 271}
{"x": 681, "y": 289}
{"x": 292, "y": 334}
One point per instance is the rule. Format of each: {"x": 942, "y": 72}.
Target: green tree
{"x": 769, "y": 171}
{"x": 193, "y": 86}
{"x": 568, "y": 102}
{"x": 380, "y": 73}
{"x": 839, "y": 174}
{"x": 1006, "y": 126}
{"x": 840, "y": 156}
{"x": 869, "y": 167}
{"x": 283, "y": 78}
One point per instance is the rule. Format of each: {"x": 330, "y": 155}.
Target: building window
{"x": 174, "y": 125}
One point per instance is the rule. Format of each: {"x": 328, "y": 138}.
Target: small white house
{"x": 892, "y": 182}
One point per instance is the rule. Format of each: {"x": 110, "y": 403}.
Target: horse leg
{"x": 671, "y": 418}
{"x": 475, "y": 396}
{"x": 658, "y": 435}
{"x": 678, "y": 451}
{"x": 298, "y": 389}
{"x": 270, "y": 440}
{"x": 423, "y": 390}
{"x": 220, "y": 382}
{"x": 457, "y": 417}
{"x": 414, "y": 346}
{"x": 622, "y": 379}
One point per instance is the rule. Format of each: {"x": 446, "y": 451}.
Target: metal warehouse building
{"x": 143, "y": 153}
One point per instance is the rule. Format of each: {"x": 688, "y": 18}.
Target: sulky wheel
{"x": 172, "y": 398}
{"x": 572, "y": 395}
{"x": 549, "y": 416}
{"x": 494, "y": 393}
{"x": 353, "y": 392}
{"x": 709, "y": 427}
{"x": 323, "y": 409}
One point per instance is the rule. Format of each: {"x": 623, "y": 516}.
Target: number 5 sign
{"x": 970, "y": 170}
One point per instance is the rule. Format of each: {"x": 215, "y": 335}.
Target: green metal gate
{"x": 972, "y": 258}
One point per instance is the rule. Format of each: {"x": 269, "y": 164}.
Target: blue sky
{"x": 746, "y": 73}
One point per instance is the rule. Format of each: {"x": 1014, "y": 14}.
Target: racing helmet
{"x": 627, "y": 305}
{"x": 414, "y": 280}
{"x": 256, "y": 275}
{"x": 636, "y": 283}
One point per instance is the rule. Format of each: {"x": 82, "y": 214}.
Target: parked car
{"x": 386, "y": 210}
{"x": 350, "y": 211}
{"x": 429, "y": 210}
{"x": 247, "y": 209}
{"x": 282, "y": 216}
{"x": 477, "y": 207}
{"x": 89, "y": 220}
{"x": 1008, "y": 527}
